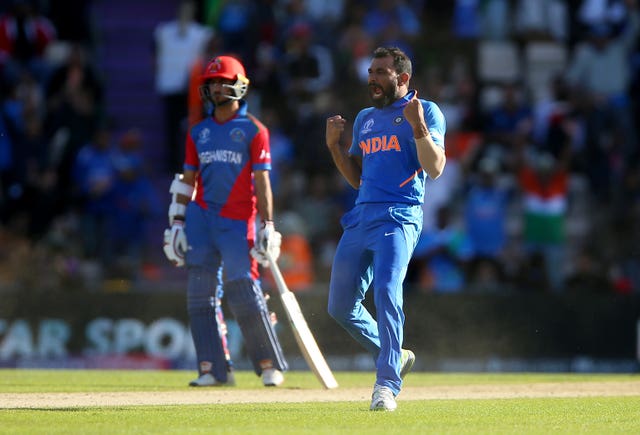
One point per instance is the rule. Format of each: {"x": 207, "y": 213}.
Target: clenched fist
{"x": 335, "y": 127}
{"x": 414, "y": 114}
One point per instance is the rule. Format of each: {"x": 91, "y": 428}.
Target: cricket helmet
{"x": 230, "y": 68}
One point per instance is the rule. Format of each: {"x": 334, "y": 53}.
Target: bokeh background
{"x": 531, "y": 234}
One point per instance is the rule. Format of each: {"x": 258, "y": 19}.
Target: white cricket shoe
{"x": 382, "y": 399}
{"x": 407, "y": 358}
{"x": 207, "y": 380}
{"x": 272, "y": 377}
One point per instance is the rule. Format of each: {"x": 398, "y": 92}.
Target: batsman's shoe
{"x": 382, "y": 399}
{"x": 407, "y": 358}
{"x": 272, "y": 377}
{"x": 207, "y": 380}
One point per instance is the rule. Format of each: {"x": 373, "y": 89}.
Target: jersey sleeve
{"x": 261, "y": 151}
{"x": 436, "y": 122}
{"x": 191, "y": 160}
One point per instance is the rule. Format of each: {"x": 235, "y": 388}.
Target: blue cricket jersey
{"x": 391, "y": 172}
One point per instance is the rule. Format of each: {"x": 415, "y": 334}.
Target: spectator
{"x": 267, "y": 79}
{"x": 70, "y": 123}
{"x": 316, "y": 207}
{"x": 295, "y": 14}
{"x": 485, "y": 217}
{"x": 308, "y": 70}
{"x": 95, "y": 177}
{"x": 307, "y": 77}
{"x": 177, "y": 44}
{"x": 327, "y": 15}
{"x": 600, "y": 74}
{"x": 25, "y": 34}
{"x": 296, "y": 256}
{"x": 238, "y": 26}
{"x": 354, "y": 48}
{"x": 393, "y": 22}
{"x": 596, "y": 12}
{"x": 282, "y": 152}
{"x": 544, "y": 186}
{"x": 555, "y": 122}
{"x": 197, "y": 109}
{"x": 76, "y": 73}
{"x": 441, "y": 256}
{"x": 509, "y": 123}
{"x": 36, "y": 180}
{"x": 136, "y": 204}
{"x": 20, "y": 112}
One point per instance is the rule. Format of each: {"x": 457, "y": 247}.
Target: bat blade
{"x": 306, "y": 342}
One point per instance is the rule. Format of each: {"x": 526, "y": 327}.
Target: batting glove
{"x": 175, "y": 243}
{"x": 269, "y": 241}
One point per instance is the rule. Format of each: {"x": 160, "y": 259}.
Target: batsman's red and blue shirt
{"x": 391, "y": 172}
{"x": 225, "y": 156}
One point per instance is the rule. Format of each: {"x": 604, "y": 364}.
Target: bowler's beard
{"x": 388, "y": 95}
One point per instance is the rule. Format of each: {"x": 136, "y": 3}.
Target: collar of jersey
{"x": 242, "y": 110}
{"x": 401, "y": 102}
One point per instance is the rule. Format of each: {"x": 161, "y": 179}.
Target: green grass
{"x": 596, "y": 415}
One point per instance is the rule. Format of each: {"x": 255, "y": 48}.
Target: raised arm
{"x": 349, "y": 166}
{"x": 431, "y": 157}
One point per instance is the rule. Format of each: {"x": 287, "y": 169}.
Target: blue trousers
{"x": 375, "y": 248}
{"x": 215, "y": 241}
{"x": 220, "y": 246}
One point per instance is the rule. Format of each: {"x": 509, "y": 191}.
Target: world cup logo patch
{"x": 368, "y": 125}
{"x": 237, "y": 135}
{"x": 204, "y": 135}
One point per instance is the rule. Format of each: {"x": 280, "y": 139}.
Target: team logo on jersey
{"x": 398, "y": 120}
{"x": 366, "y": 128}
{"x": 237, "y": 135}
{"x": 204, "y": 135}
{"x": 379, "y": 143}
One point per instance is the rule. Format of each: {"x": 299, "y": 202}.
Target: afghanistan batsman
{"x": 396, "y": 144}
{"x": 213, "y": 225}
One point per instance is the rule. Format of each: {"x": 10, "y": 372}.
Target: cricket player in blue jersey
{"x": 397, "y": 144}
{"x": 225, "y": 184}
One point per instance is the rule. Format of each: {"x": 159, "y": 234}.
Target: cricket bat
{"x": 304, "y": 337}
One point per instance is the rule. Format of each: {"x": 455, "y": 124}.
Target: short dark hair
{"x": 401, "y": 61}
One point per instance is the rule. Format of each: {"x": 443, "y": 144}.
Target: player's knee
{"x": 200, "y": 290}
{"x": 339, "y": 312}
{"x": 195, "y": 306}
{"x": 244, "y": 297}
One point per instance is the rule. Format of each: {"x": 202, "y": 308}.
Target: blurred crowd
{"x": 541, "y": 192}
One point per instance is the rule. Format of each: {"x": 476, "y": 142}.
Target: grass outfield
{"x": 156, "y": 402}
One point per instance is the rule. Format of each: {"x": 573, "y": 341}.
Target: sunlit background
{"x": 530, "y": 252}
